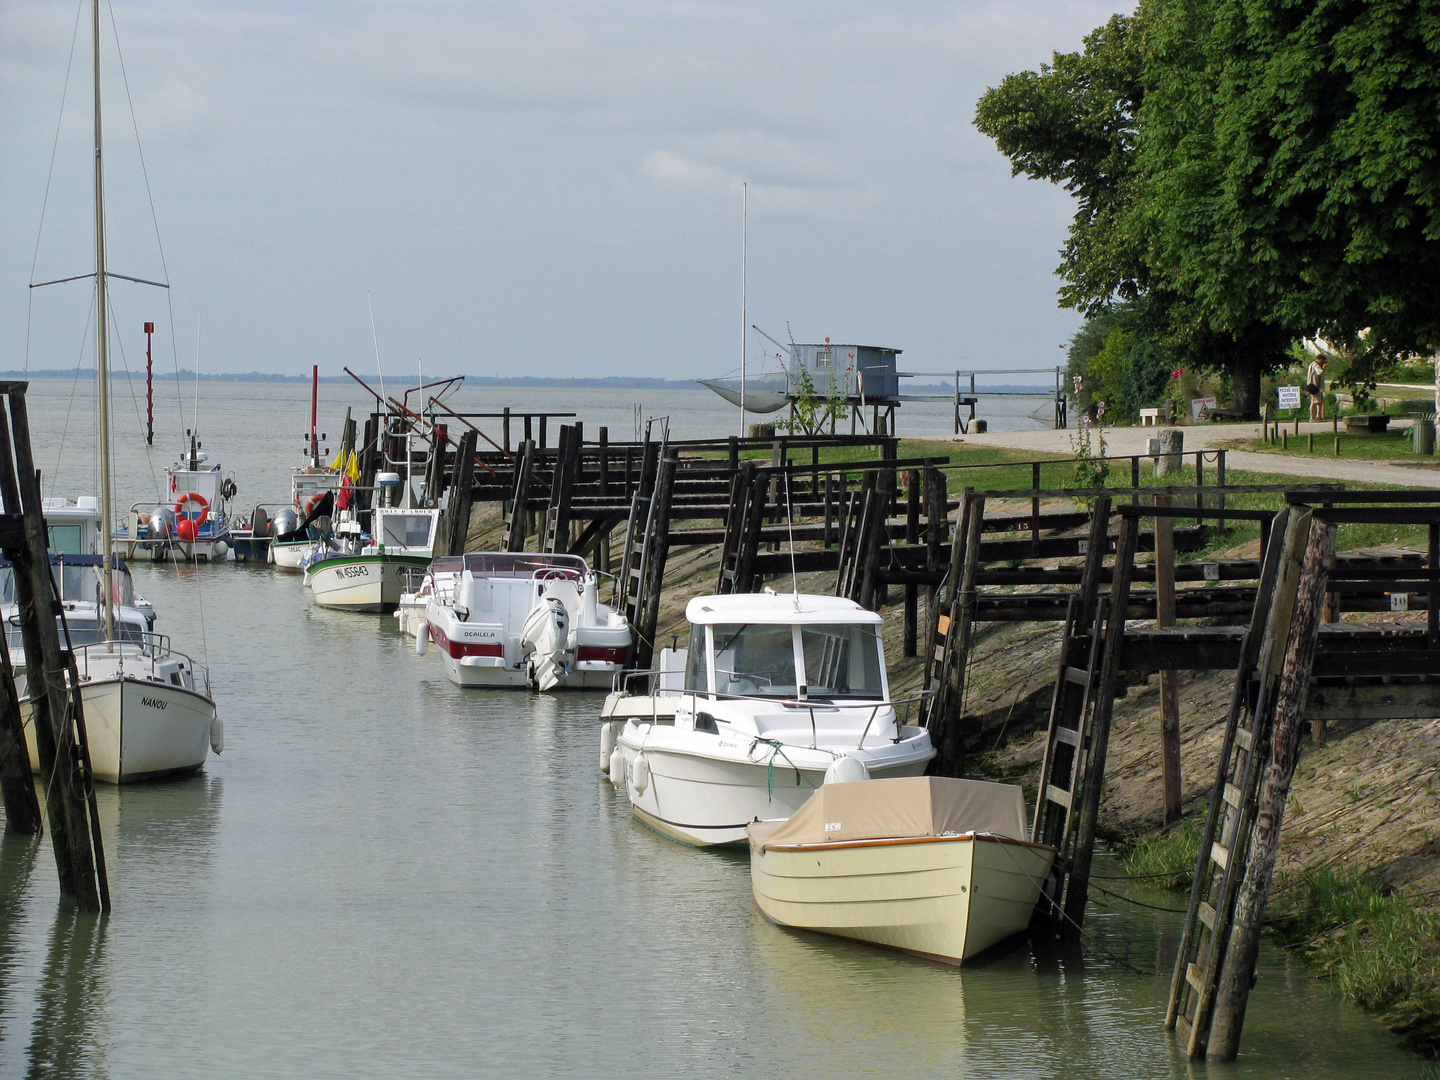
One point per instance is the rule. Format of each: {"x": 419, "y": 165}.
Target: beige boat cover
{"x": 900, "y": 807}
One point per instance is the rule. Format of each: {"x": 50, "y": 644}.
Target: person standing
{"x": 1315, "y": 387}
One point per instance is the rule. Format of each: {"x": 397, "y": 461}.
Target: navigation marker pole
{"x": 149, "y": 387}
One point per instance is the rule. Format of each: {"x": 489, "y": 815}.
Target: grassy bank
{"x": 1380, "y": 948}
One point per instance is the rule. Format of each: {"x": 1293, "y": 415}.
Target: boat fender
{"x": 845, "y": 770}
{"x": 617, "y": 768}
{"x": 640, "y": 774}
{"x": 217, "y": 735}
{"x": 221, "y": 549}
{"x": 607, "y": 744}
{"x": 422, "y": 639}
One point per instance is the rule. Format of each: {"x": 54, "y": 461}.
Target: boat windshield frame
{"x": 721, "y": 638}
{"x": 522, "y": 564}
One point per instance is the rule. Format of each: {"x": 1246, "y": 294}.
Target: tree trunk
{"x": 1245, "y": 382}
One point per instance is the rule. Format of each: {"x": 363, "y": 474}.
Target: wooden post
{"x": 1238, "y": 972}
{"x": 54, "y": 714}
{"x": 659, "y": 542}
{"x": 515, "y": 534}
{"x": 505, "y": 429}
{"x": 604, "y": 462}
{"x": 912, "y": 537}
{"x": 1169, "y": 682}
{"x": 462, "y": 492}
{"x": 949, "y": 759}
{"x": 1035, "y": 511}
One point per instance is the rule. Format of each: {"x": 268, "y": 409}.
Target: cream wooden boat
{"x": 928, "y": 865}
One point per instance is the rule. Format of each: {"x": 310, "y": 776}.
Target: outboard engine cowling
{"x": 284, "y": 521}
{"x": 162, "y": 522}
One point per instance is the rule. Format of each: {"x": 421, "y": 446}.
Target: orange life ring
{"x": 314, "y": 501}
{"x": 193, "y": 497}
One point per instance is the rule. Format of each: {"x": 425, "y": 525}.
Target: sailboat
{"x": 149, "y": 712}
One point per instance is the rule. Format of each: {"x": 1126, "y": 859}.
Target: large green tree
{"x": 1258, "y": 169}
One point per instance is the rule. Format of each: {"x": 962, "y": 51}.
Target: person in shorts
{"x": 1315, "y": 387}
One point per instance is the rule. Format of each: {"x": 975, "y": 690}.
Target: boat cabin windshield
{"x": 77, "y": 581}
{"x": 82, "y": 632}
{"x": 399, "y": 529}
{"x": 833, "y": 662}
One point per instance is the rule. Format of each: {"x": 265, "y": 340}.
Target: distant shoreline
{"x": 613, "y": 382}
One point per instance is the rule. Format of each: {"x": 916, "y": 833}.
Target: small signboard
{"x": 1289, "y": 397}
{"x": 1200, "y": 407}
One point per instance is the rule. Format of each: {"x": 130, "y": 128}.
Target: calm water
{"x": 386, "y": 876}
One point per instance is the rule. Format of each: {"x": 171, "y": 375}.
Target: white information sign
{"x": 1200, "y": 407}
{"x": 1289, "y": 397}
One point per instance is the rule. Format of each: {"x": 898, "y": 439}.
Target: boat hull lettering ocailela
{"x": 932, "y": 866}
{"x": 770, "y": 693}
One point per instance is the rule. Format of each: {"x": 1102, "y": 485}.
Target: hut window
{"x": 822, "y": 358}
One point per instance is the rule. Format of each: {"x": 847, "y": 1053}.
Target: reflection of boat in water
{"x": 763, "y": 393}
{"x": 928, "y": 865}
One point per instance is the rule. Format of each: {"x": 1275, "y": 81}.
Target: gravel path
{"x": 1132, "y": 440}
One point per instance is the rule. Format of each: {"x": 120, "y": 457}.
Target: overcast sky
{"x": 533, "y": 188}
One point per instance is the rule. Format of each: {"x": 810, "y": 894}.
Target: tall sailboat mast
{"x": 102, "y": 341}
{"x": 744, "y": 317}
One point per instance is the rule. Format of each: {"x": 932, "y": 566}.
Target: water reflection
{"x": 69, "y": 1032}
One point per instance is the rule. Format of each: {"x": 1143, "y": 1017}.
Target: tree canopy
{"x": 1260, "y": 170}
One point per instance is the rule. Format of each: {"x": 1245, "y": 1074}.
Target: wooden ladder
{"x": 743, "y": 521}
{"x": 1230, "y": 820}
{"x": 1067, "y": 775}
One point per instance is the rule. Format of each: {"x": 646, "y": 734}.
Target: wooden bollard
{"x": 1236, "y": 976}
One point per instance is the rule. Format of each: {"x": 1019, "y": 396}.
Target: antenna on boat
{"x": 790, "y": 525}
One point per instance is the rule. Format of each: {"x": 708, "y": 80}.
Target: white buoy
{"x": 217, "y": 735}
{"x": 221, "y": 549}
{"x": 640, "y": 775}
{"x": 617, "y": 768}
{"x": 607, "y": 744}
{"x": 845, "y": 770}
{"x": 422, "y": 639}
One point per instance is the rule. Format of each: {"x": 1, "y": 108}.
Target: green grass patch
{"x": 1366, "y": 446}
{"x": 1382, "y": 952}
{"x": 1168, "y": 857}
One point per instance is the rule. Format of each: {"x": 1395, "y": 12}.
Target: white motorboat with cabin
{"x": 369, "y": 572}
{"x": 421, "y": 588}
{"x": 519, "y": 618}
{"x": 148, "y": 710}
{"x": 775, "y": 690}
{"x": 195, "y": 525}
{"x": 934, "y": 866}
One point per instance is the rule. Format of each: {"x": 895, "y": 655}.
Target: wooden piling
{"x": 515, "y": 533}
{"x": 462, "y": 491}
{"x": 1169, "y": 682}
{"x": 1238, "y": 972}
{"x": 54, "y": 713}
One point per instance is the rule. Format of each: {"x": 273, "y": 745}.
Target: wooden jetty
{"x": 984, "y": 555}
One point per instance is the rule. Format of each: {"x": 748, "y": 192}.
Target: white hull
{"x": 287, "y": 557}
{"x": 173, "y": 550}
{"x": 360, "y": 583}
{"x": 139, "y": 729}
{"x": 709, "y": 799}
{"x": 944, "y": 898}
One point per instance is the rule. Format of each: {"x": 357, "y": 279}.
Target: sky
{"x": 546, "y": 189}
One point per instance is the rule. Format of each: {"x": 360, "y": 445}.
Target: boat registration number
{"x": 353, "y": 571}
